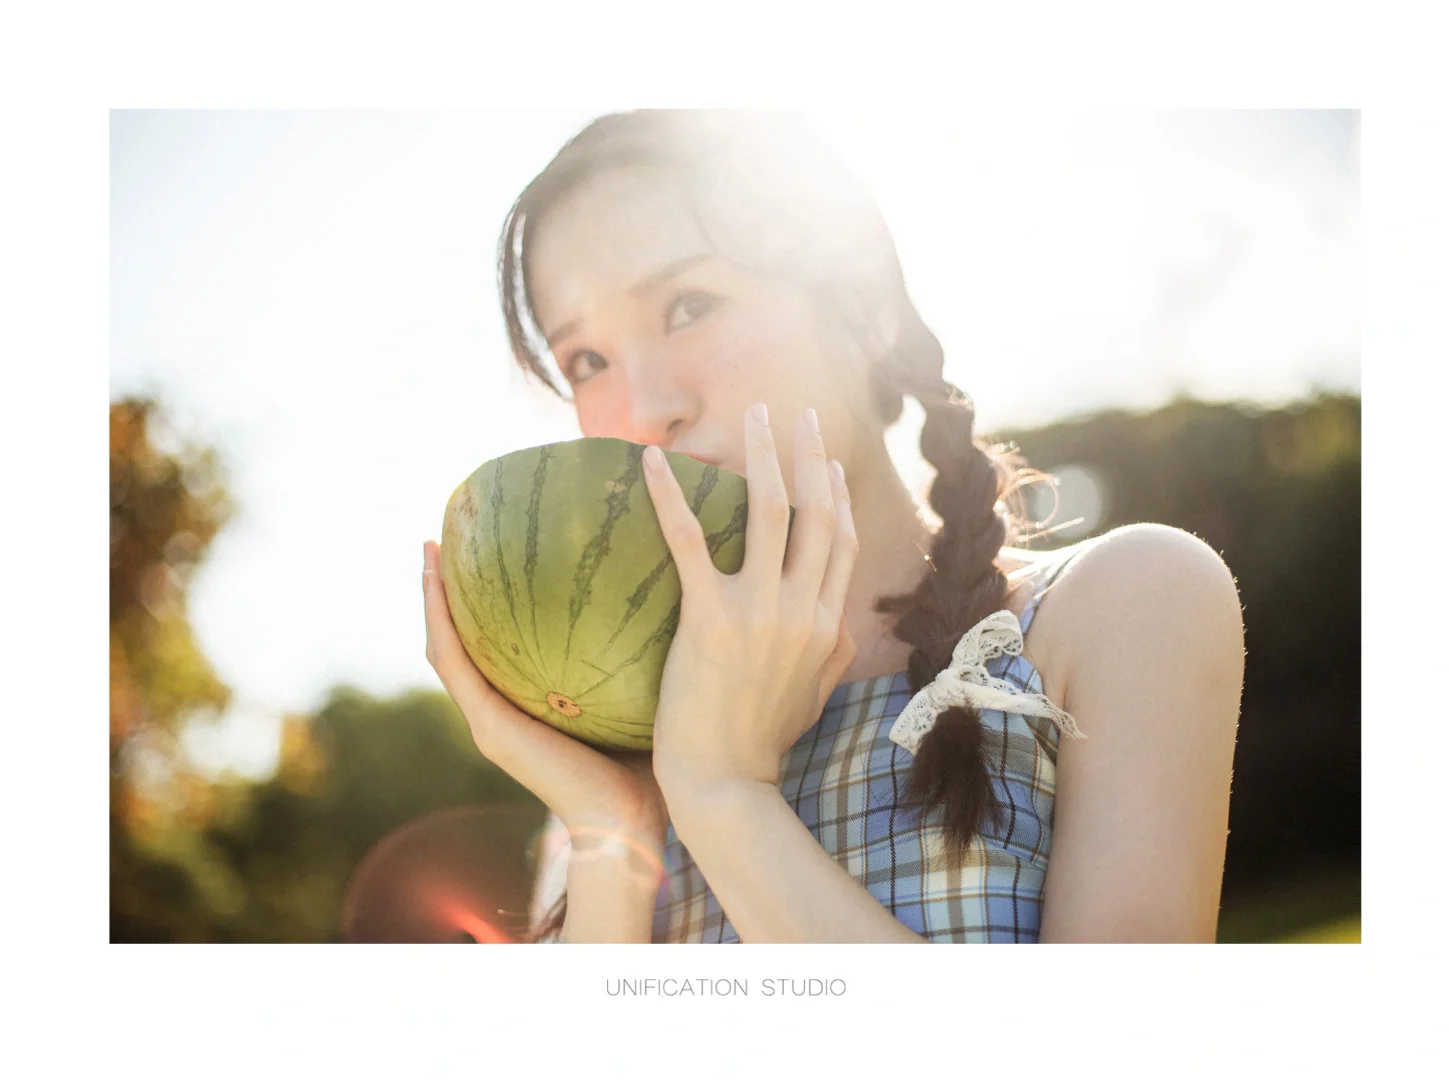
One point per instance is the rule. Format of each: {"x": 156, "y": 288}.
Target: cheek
{"x": 601, "y": 416}
{"x": 760, "y": 355}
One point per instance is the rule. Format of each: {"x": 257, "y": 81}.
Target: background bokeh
{"x": 1160, "y": 308}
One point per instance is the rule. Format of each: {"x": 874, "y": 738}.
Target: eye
{"x": 690, "y": 306}
{"x": 577, "y": 372}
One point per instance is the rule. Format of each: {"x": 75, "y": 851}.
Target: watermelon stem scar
{"x": 565, "y": 705}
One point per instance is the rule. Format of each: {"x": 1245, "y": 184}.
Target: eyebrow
{"x": 653, "y": 281}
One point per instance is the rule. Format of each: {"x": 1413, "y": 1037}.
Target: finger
{"x": 835, "y": 665}
{"x": 544, "y": 760}
{"x": 682, "y": 531}
{"x": 460, "y": 676}
{"x": 769, "y": 505}
{"x": 445, "y": 649}
{"x": 844, "y": 546}
{"x": 813, "y": 532}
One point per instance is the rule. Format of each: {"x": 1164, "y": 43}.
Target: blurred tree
{"x": 168, "y": 500}
{"x": 348, "y": 778}
{"x": 165, "y": 510}
{"x": 201, "y": 859}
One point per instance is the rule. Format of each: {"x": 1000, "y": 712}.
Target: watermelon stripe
{"x": 588, "y": 565}
{"x": 618, "y": 723}
{"x": 500, "y": 656}
{"x": 640, "y": 595}
{"x": 530, "y": 551}
{"x": 623, "y": 710}
{"x": 714, "y": 541}
{"x": 664, "y": 632}
{"x": 641, "y": 737}
{"x": 495, "y": 502}
{"x": 594, "y": 728}
{"x": 706, "y": 485}
{"x": 470, "y": 603}
{"x": 733, "y": 528}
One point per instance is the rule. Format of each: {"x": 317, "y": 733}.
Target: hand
{"x": 757, "y": 653}
{"x": 596, "y": 795}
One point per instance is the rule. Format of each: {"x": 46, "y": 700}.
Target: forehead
{"x": 605, "y": 236}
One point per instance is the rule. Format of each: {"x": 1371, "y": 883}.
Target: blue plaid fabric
{"x": 845, "y": 779}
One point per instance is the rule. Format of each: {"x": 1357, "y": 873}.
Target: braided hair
{"x": 793, "y": 210}
{"x": 973, "y": 495}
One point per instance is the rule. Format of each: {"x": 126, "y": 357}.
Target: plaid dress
{"x": 845, "y": 779}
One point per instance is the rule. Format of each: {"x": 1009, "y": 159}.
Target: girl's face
{"x": 665, "y": 342}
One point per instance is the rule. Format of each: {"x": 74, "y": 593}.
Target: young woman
{"x": 885, "y": 727}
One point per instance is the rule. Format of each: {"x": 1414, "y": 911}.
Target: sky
{"x": 313, "y": 294}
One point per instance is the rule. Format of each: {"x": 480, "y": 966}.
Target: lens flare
{"x": 435, "y": 878}
{"x": 456, "y": 913}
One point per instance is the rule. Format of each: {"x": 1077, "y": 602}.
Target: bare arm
{"x": 1150, "y": 659}
{"x": 611, "y": 883}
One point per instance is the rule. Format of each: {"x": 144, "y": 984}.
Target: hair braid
{"x": 963, "y": 586}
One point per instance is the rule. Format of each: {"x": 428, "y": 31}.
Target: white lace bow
{"x": 965, "y": 681}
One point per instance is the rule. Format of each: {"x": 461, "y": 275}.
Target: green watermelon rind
{"x": 611, "y": 611}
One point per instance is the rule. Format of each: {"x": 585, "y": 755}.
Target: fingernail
{"x": 812, "y": 421}
{"x": 654, "y": 458}
{"x": 838, "y": 469}
{"x": 760, "y": 413}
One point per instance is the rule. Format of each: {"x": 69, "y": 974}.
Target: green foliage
{"x": 166, "y": 506}
{"x": 165, "y": 510}
{"x": 349, "y": 776}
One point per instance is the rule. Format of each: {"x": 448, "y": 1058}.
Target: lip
{"x": 704, "y": 458}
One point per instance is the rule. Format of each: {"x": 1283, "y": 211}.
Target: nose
{"x": 658, "y": 408}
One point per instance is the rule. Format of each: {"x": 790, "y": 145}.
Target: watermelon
{"x": 562, "y": 588}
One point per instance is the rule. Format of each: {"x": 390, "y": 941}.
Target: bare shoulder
{"x": 1146, "y": 641}
{"x": 1138, "y": 583}
{"x": 1131, "y": 558}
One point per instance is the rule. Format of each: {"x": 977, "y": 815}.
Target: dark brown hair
{"x": 767, "y": 192}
